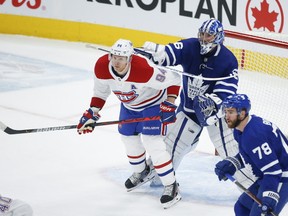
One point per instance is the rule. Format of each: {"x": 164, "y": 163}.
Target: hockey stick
{"x": 138, "y": 51}
{"x": 10, "y": 131}
{"x": 249, "y": 193}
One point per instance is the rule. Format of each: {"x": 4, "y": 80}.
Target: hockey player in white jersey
{"x": 14, "y": 207}
{"x": 205, "y": 56}
{"x": 144, "y": 91}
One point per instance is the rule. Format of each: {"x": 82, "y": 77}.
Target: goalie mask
{"x": 210, "y": 35}
{"x": 122, "y": 48}
{"x": 239, "y": 102}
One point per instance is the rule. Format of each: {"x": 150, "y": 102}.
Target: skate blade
{"x": 172, "y": 202}
{"x": 133, "y": 188}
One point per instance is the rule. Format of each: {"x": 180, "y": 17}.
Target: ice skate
{"x": 170, "y": 195}
{"x": 138, "y": 179}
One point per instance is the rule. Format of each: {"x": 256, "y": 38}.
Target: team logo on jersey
{"x": 265, "y": 15}
{"x": 196, "y": 87}
{"x": 126, "y": 97}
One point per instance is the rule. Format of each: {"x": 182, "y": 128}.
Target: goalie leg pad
{"x": 135, "y": 152}
{"x": 223, "y": 139}
{"x": 182, "y": 137}
{"x": 225, "y": 144}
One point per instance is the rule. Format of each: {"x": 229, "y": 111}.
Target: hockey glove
{"x": 167, "y": 112}
{"x": 157, "y": 52}
{"x": 269, "y": 202}
{"x": 208, "y": 109}
{"x": 227, "y": 166}
{"x": 86, "y": 123}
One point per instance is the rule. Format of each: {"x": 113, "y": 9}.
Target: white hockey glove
{"x": 156, "y": 50}
{"x": 86, "y": 123}
{"x": 208, "y": 109}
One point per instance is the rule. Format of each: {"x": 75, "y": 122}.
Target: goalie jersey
{"x": 144, "y": 85}
{"x": 186, "y": 53}
{"x": 265, "y": 148}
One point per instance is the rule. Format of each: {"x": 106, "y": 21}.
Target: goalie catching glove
{"x": 157, "y": 52}
{"x": 87, "y": 121}
{"x": 167, "y": 112}
{"x": 208, "y": 109}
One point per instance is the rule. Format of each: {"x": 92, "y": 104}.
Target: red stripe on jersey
{"x": 135, "y": 157}
{"x": 97, "y": 102}
{"x": 163, "y": 129}
{"x": 163, "y": 165}
{"x": 173, "y": 90}
{"x": 150, "y": 99}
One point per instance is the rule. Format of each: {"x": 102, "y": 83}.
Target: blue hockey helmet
{"x": 211, "y": 27}
{"x": 238, "y": 101}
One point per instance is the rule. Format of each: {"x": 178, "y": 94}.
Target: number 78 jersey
{"x": 265, "y": 148}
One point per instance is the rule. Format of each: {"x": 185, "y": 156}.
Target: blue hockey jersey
{"x": 220, "y": 63}
{"x": 264, "y": 147}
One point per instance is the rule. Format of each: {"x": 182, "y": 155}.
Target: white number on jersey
{"x": 265, "y": 148}
{"x": 178, "y": 45}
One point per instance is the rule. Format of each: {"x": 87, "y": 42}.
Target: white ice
{"x": 49, "y": 83}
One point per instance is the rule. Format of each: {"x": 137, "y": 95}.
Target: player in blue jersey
{"x": 201, "y": 99}
{"x": 263, "y": 147}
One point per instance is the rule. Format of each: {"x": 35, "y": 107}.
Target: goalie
{"x": 201, "y": 99}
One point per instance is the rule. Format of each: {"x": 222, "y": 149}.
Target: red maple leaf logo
{"x": 263, "y": 17}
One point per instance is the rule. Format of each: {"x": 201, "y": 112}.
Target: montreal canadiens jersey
{"x": 143, "y": 85}
{"x": 265, "y": 148}
{"x": 220, "y": 63}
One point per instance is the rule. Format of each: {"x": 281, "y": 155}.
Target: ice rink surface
{"x": 47, "y": 83}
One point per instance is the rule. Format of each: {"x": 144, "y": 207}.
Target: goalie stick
{"x": 12, "y": 131}
{"x": 138, "y": 51}
{"x": 249, "y": 193}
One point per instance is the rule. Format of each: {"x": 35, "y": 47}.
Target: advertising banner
{"x": 180, "y": 18}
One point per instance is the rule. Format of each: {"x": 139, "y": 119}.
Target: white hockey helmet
{"x": 122, "y": 48}
{"x": 214, "y": 28}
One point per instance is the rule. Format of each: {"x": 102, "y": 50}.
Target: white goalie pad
{"x": 182, "y": 137}
{"x": 223, "y": 139}
{"x": 225, "y": 144}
